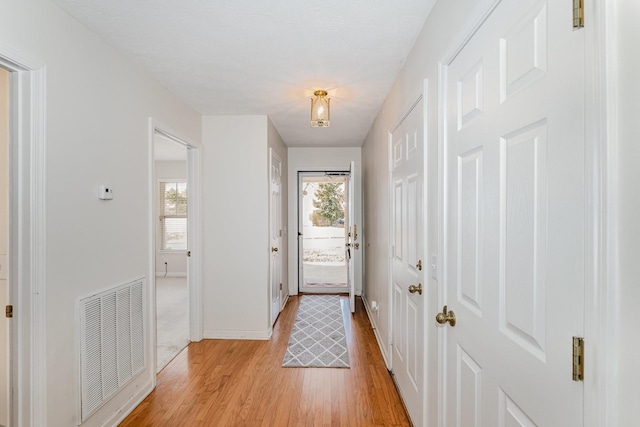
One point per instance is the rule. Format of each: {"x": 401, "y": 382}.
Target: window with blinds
{"x": 173, "y": 215}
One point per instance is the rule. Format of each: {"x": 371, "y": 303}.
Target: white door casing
{"x": 193, "y": 234}
{"x": 407, "y": 240}
{"x": 351, "y": 236}
{"x": 27, "y": 267}
{"x": 275, "y": 233}
{"x": 513, "y": 230}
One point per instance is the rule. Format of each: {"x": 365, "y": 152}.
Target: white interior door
{"x": 352, "y": 236}
{"x": 514, "y": 219}
{"x": 275, "y": 233}
{"x": 407, "y": 166}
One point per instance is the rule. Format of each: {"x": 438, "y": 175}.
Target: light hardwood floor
{"x": 242, "y": 383}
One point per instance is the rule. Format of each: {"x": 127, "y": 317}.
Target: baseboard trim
{"x": 376, "y": 333}
{"x": 161, "y": 274}
{"x": 213, "y": 334}
{"x": 128, "y": 407}
{"x": 286, "y": 300}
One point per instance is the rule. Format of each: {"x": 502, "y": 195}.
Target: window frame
{"x": 161, "y": 214}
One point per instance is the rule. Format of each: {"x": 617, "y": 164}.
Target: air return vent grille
{"x": 111, "y": 343}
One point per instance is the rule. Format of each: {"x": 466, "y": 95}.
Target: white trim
{"x": 127, "y": 408}
{"x": 600, "y": 235}
{"x": 161, "y": 274}
{"x": 195, "y": 243}
{"x": 27, "y": 237}
{"x": 442, "y": 338}
{"x": 415, "y": 100}
{"x": 236, "y": 335}
{"x": 426, "y": 276}
{"x": 379, "y": 340}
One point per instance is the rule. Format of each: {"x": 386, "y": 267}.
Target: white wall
{"x": 4, "y": 230}
{"x": 235, "y": 234}
{"x": 275, "y": 141}
{"x": 176, "y": 261}
{"x": 97, "y": 106}
{"x": 322, "y": 159}
{"x": 626, "y": 411}
{"x": 443, "y": 26}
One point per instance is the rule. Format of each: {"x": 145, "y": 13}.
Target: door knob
{"x": 413, "y": 288}
{"x": 445, "y": 317}
{"x": 274, "y": 249}
{"x": 347, "y": 245}
{"x": 188, "y": 253}
{"x": 356, "y": 245}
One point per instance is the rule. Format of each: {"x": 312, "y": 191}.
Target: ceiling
{"x": 259, "y": 57}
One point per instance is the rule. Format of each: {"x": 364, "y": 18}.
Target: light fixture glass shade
{"x": 320, "y": 109}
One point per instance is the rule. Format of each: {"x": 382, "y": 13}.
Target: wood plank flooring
{"x": 242, "y": 383}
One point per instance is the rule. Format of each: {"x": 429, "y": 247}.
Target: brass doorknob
{"x": 274, "y": 249}
{"x": 356, "y": 245}
{"x": 445, "y": 317}
{"x": 413, "y": 289}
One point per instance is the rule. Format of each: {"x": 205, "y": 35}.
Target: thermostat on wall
{"x": 106, "y": 192}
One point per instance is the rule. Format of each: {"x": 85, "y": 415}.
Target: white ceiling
{"x": 256, "y": 57}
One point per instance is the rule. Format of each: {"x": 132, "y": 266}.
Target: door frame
{"x": 300, "y": 210}
{"x": 194, "y": 284}
{"x": 27, "y": 237}
{"x": 601, "y": 279}
{"x": 600, "y": 219}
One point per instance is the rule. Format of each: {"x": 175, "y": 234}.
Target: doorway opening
{"x": 171, "y": 248}
{"x": 323, "y": 232}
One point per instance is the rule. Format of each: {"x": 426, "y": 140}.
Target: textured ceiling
{"x": 260, "y": 57}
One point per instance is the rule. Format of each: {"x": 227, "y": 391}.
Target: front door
{"x": 275, "y": 233}
{"x": 407, "y": 148}
{"x": 514, "y": 219}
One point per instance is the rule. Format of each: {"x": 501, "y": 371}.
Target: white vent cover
{"x": 111, "y": 343}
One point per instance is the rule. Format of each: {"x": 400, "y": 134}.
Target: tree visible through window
{"x": 173, "y": 215}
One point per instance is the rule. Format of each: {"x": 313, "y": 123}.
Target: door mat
{"x": 318, "y": 339}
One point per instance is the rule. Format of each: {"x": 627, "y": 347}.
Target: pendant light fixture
{"x": 320, "y": 109}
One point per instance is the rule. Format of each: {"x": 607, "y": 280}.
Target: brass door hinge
{"x": 578, "y": 359}
{"x": 8, "y": 311}
{"x": 578, "y": 13}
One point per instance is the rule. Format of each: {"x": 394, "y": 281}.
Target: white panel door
{"x": 514, "y": 219}
{"x": 407, "y": 163}
{"x": 275, "y": 233}
{"x": 351, "y": 236}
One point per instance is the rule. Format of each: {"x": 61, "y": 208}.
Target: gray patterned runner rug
{"x": 317, "y": 339}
